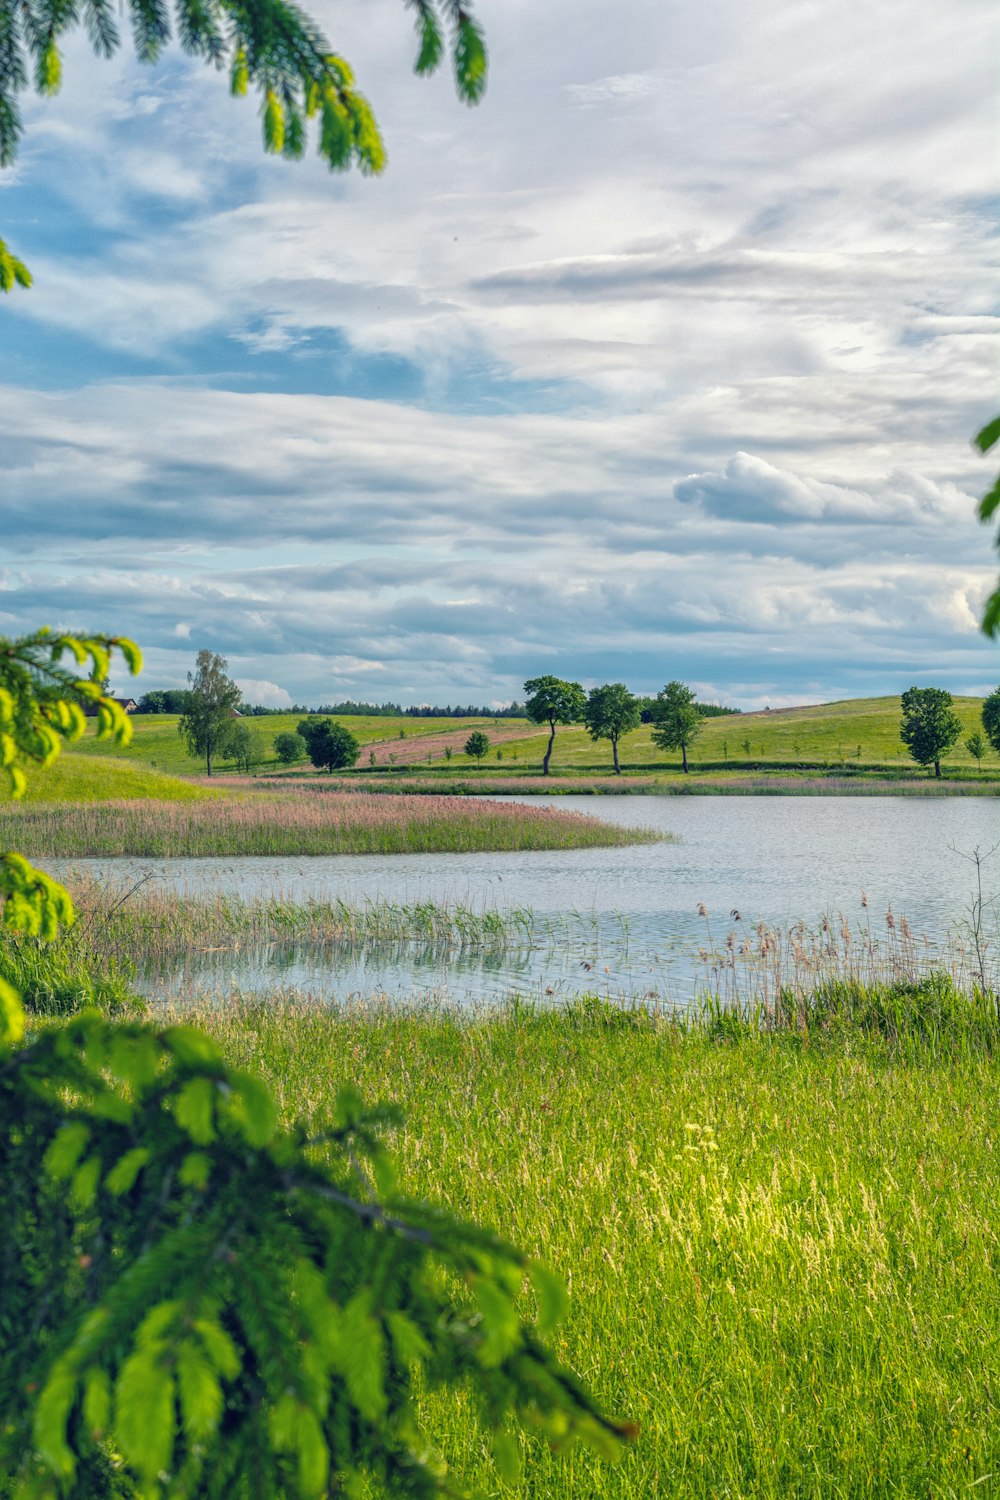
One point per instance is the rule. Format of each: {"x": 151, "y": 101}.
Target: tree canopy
{"x": 610, "y": 712}
{"x": 207, "y": 723}
{"x": 331, "y": 747}
{"x": 930, "y": 725}
{"x": 552, "y": 701}
{"x": 991, "y": 719}
{"x": 676, "y": 720}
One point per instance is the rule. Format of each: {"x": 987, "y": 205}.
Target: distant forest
{"x": 176, "y": 701}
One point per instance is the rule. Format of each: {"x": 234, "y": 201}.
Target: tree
{"x": 930, "y": 725}
{"x": 477, "y": 745}
{"x": 676, "y": 720}
{"x": 289, "y": 748}
{"x": 552, "y": 701}
{"x": 207, "y": 723}
{"x": 242, "y": 746}
{"x": 612, "y": 711}
{"x": 991, "y": 719}
{"x": 976, "y": 747}
{"x": 331, "y": 747}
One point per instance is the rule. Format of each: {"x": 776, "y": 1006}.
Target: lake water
{"x": 623, "y": 922}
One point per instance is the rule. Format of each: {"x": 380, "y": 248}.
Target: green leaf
{"x": 470, "y": 61}
{"x": 51, "y": 1416}
{"x": 409, "y": 1343}
{"x": 96, "y": 1401}
{"x": 251, "y": 1105}
{"x": 363, "y": 1357}
{"x": 219, "y": 1347}
{"x": 194, "y": 1108}
{"x": 126, "y": 1169}
{"x": 314, "y": 1455}
{"x": 191, "y": 1047}
{"x": 431, "y": 43}
{"x": 11, "y": 1016}
{"x": 988, "y": 435}
{"x": 144, "y": 1414}
{"x": 199, "y": 1392}
{"x": 991, "y": 615}
{"x": 83, "y": 1188}
{"x": 501, "y": 1327}
{"x": 195, "y": 1170}
{"x": 550, "y": 1293}
{"x": 989, "y": 502}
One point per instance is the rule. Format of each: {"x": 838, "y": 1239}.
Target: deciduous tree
{"x": 991, "y": 719}
{"x": 612, "y": 711}
{"x": 477, "y": 744}
{"x": 289, "y": 748}
{"x": 331, "y": 746}
{"x": 930, "y": 725}
{"x": 676, "y": 720}
{"x": 976, "y": 747}
{"x": 207, "y": 724}
{"x": 552, "y": 701}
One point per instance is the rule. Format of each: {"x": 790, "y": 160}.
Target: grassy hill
{"x": 157, "y": 744}
{"x": 855, "y": 733}
{"x": 88, "y": 778}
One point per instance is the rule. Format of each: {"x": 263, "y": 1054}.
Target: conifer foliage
{"x": 196, "y": 1301}
{"x": 268, "y": 45}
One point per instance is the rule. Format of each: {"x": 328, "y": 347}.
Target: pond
{"x": 635, "y": 922}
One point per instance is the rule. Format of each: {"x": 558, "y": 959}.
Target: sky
{"x": 662, "y": 362}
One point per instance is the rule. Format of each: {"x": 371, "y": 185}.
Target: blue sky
{"x": 662, "y": 362}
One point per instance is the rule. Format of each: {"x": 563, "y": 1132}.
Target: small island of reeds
{"x": 297, "y": 823}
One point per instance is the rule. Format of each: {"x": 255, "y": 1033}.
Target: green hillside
{"x": 156, "y": 742}
{"x": 854, "y": 734}
{"x": 87, "y": 778}
{"x": 857, "y": 732}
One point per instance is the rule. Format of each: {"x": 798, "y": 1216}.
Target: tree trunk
{"x": 614, "y": 751}
{"x": 208, "y": 759}
{"x": 684, "y": 758}
{"x": 548, "y": 753}
{"x": 937, "y": 769}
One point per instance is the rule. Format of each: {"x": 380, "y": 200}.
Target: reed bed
{"x": 145, "y": 925}
{"x": 754, "y": 967}
{"x": 781, "y": 1248}
{"x": 298, "y": 823}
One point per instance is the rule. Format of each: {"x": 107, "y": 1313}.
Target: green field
{"x": 782, "y": 1253}
{"x": 73, "y": 777}
{"x": 851, "y": 739}
{"x": 156, "y": 742}
{"x": 860, "y": 732}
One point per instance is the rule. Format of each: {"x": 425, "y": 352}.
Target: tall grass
{"x": 298, "y": 823}
{"x": 144, "y": 925}
{"x": 781, "y": 1246}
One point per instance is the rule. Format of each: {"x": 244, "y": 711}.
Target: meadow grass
{"x": 781, "y": 1244}
{"x": 81, "y": 778}
{"x": 297, "y": 823}
{"x": 157, "y": 743}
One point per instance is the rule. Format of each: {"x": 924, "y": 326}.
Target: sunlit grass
{"x": 782, "y": 1248}
{"x": 81, "y": 778}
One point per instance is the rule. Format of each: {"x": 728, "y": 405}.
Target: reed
{"x": 298, "y": 823}
{"x": 144, "y": 926}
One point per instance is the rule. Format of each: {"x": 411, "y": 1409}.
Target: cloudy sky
{"x": 662, "y": 362}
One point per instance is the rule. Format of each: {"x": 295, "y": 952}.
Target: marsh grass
{"x": 781, "y": 1245}
{"x": 298, "y": 823}
{"x": 145, "y": 925}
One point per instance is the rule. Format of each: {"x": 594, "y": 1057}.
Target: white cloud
{"x": 260, "y": 691}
